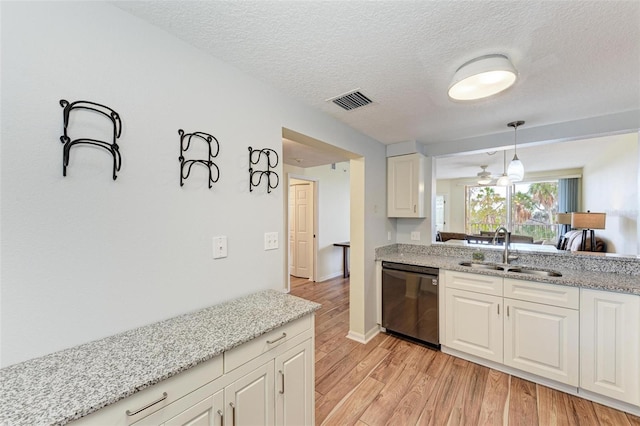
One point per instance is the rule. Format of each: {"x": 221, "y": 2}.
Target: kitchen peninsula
{"x": 569, "y": 321}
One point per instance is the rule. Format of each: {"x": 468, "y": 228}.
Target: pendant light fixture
{"x": 516, "y": 169}
{"x": 504, "y": 179}
{"x": 482, "y": 77}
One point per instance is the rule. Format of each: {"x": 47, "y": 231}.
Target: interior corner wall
{"x": 617, "y": 163}
{"x": 84, "y": 256}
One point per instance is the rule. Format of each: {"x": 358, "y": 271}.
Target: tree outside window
{"x": 533, "y": 208}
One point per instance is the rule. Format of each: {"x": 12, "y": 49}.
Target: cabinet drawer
{"x": 175, "y": 388}
{"x": 549, "y": 294}
{"x": 256, "y": 347}
{"x": 477, "y": 283}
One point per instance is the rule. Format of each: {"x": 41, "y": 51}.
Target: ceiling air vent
{"x": 351, "y": 100}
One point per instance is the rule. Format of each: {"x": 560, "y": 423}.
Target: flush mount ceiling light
{"x": 482, "y": 77}
{"x": 516, "y": 169}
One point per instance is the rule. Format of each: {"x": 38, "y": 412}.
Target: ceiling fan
{"x": 484, "y": 177}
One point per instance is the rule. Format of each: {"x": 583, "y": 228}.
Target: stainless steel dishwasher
{"x": 410, "y": 302}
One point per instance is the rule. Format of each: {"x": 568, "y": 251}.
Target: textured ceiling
{"x": 576, "y": 59}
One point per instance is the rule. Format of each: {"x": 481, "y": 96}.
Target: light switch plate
{"x": 270, "y": 240}
{"x": 415, "y": 236}
{"x": 219, "y": 247}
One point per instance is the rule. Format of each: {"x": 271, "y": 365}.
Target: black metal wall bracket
{"x": 110, "y": 146}
{"x": 185, "y": 143}
{"x": 254, "y": 158}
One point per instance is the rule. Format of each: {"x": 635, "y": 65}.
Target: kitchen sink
{"x": 480, "y": 265}
{"x": 511, "y": 268}
{"x": 491, "y": 266}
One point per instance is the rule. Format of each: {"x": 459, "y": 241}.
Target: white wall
{"x": 84, "y": 257}
{"x": 610, "y": 185}
{"x": 333, "y": 212}
{"x": 455, "y": 208}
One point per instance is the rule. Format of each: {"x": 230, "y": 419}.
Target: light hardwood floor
{"x": 391, "y": 381}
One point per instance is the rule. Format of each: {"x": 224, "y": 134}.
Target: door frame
{"x": 315, "y": 185}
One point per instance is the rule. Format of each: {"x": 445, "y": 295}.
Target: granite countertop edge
{"x": 608, "y": 281}
{"x": 64, "y": 386}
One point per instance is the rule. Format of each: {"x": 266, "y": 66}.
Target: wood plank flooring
{"x": 390, "y": 381}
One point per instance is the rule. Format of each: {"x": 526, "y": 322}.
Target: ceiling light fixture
{"x": 482, "y": 77}
{"x": 516, "y": 169}
{"x": 484, "y": 177}
{"x": 504, "y": 179}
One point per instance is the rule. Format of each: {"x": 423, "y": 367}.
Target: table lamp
{"x": 588, "y": 222}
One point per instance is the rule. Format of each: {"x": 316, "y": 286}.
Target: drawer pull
{"x": 233, "y": 413}
{"x": 282, "y": 377}
{"x": 221, "y": 417}
{"x": 279, "y": 338}
{"x": 162, "y": 398}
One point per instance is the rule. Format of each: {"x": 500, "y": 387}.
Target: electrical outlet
{"x": 270, "y": 240}
{"x": 415, "y": 236}
{"x": 219, "y": 247}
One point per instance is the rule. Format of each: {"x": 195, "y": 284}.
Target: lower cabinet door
{"x": 294, "y": 386}
{"x": 249, "y": 400}
{"x": 542, "y": 340}
{"x": 208, "y": 412}
{"x": 474, "y": 323}
{"x": 610, "y": 344}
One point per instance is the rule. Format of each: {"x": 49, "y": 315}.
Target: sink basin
{"x": 510, "y": 268}
{"x": 539, "y": 272}
{"x": 481, "y": 266}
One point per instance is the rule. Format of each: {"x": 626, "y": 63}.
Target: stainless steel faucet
{"x": 507, "y": 242}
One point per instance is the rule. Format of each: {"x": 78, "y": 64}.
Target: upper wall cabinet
{"x": 405, "y": 186}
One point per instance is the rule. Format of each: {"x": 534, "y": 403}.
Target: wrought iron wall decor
{"x": 110, "y": 146}
{"x": 255, "y": 155}
{"x": 185, "y": 143}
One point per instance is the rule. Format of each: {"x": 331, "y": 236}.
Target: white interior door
{"x": 292, "y": 230}
{"x": 303, "y": 231}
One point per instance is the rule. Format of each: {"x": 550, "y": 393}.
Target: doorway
{"x": 302, "y": 235}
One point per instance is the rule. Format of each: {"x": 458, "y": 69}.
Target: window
{"x": 532, "y": 207}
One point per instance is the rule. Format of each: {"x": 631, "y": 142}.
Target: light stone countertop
{"x": 58, "y": 388}
{"x": 609, "y": 279}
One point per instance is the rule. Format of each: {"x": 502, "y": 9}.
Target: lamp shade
{"x": 588, "y": 220}
{"x": 563, "y": 218}
{"x": 515, "y": 170}
{"x": 482, "y": 77}
{"x": 503, "y": 181}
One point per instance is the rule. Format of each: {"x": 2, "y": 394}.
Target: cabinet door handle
{"x": 162, "y": 398}
{"x": 498, "y": 309}
{"x": 282, "y": 380}
{"x": 414, "y": 208}
{"x": 221, "y": 417}
{"x": 279, "y": 338}
{"x": 233, "y": 414}
{"x": 507, "y": 310}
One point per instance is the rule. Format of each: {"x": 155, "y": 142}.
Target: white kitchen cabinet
{"x": 250, "y": 399}
{"x": 609, "y": 341}
{"x": 474, "y": 323}
{"x": 405, "y": 186}
{"x": 534, "y": 329}
{"x": 541, "y": 339}
{"x": 208, "y": 412}
{"x": 236, "y": 388}
{"x": 294, "y": 386}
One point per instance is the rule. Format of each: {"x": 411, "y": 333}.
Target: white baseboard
{"x": 363, "y": 338}
{"x": 330, "y": 276}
